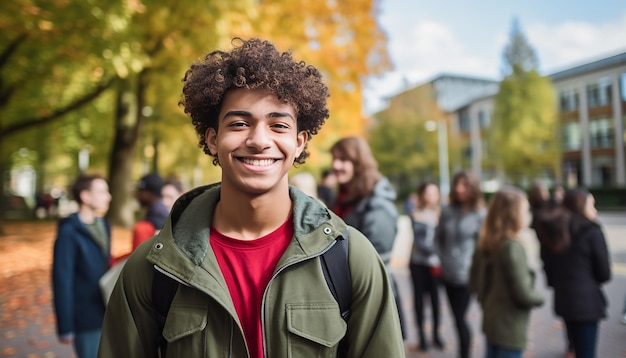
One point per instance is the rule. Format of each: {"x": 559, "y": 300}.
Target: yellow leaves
{"x": 135, "y": 6}
{"x": 45, "y": 25}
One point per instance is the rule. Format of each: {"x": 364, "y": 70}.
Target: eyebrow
{"x": 249, "y": 115}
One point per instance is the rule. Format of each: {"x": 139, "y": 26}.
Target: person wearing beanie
{"x": 148, "y": 195}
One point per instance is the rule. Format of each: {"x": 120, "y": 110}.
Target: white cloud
{"x": 419, "y": 54}
{"x": 429, "y": 48}
{"x": 566, "y": 44}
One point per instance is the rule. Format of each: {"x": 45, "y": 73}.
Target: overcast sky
{"x": 430, "y": 37}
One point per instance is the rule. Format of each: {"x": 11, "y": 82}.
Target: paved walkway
{"x": 27, "y": 322}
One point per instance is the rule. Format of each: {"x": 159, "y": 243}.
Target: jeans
{"x": 583, "y": 337}
{"x": 494, "y": 351}
{"x": 425, "y": 283}
{"x": 459, "y": 298}
{"x": 86, "y": 343}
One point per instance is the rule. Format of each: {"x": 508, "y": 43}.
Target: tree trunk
{"x": 129, "y": 101}
{"x": 3, "y": 168}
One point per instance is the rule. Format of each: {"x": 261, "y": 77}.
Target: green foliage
{"x": 519, "y": 56}
{"x": 522, "y": 135}
{"x": 63, "y": 63}
{"x": 404, "y": 149}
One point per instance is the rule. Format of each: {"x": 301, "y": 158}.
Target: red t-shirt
{"x": 247, "y": 267}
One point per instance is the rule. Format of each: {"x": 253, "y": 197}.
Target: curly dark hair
{"x": 253, "y": 64}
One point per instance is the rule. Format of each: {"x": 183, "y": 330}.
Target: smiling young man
{"x": 245, "y": 253}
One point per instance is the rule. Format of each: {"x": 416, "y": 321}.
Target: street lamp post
{"x": 442, "y": 145}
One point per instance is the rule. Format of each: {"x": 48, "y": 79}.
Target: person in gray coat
{"x": 455, "y": 242}
{"x": 366, "y": 198}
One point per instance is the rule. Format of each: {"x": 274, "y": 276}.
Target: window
{"x": 464, "y": 121}
{"x": 599, "y": 93}
{"x": 568, "y": 100}
{"x": 483, "y": 118}
{"x": 601, "y": 133}
{"x": 571, "y": 136}
{"x": 623, "y": 86}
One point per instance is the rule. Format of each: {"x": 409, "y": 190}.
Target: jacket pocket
{"x": 315, "y": 329}
{"x": 185, "y": 320}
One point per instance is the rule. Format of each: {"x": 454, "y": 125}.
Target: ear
{"x": 303, "y": 137}
{"x": 85, "y": 196}
{"x": 210, "y": 136}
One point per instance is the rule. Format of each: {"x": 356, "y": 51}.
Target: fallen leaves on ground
{"x": 27, "y": 322}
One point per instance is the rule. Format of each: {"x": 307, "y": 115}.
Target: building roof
{"x": 618, "y": 59}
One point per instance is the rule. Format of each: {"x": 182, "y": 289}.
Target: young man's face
{"x": 97, "y": 198}
{"x": 257, "y": 141}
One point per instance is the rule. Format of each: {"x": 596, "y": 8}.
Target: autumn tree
{"x": 86, "y": 72}
{"x": 344, "y": 40}
{"x": 404, "y": 148}
{"x": 47, "y": 70}
{"x": 522, "y": 134}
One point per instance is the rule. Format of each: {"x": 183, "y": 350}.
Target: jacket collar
{"x": 188, "y": 229}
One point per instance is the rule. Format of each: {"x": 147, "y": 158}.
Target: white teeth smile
{"x": 258, "y": 162}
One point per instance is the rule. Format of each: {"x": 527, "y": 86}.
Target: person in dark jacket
{"x": 542, "y": 205}
{"x": 149, "y": 191}
{"x": 366, "y": 198}
{"x": 539, "y": 199}
{"x": 455, "y": 241}
{"x": 577, "y": 263}
{"x": 81, "y": 257}
{"x": 500, "y": 275}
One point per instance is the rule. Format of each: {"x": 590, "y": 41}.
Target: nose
{"x": 336, "y": 164}
{"x": 259, "y": 138}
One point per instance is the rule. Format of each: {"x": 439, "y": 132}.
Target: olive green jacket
{"x": 504, "y": 286}
{"x": 300, "y": 317}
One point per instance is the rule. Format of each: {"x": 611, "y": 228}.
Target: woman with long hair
{"x": 424, "y": 262}
{"x": 577, "y": 263}
{"x": 501, "y": 278}
{"x": 455, "y": 240}
{"x": 365, "y": 198}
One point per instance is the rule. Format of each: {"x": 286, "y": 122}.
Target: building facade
{"x": 592, "y": 112}
{"x": 592, "y": 107}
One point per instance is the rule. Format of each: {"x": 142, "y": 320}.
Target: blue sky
{"x": 427, "y": 38}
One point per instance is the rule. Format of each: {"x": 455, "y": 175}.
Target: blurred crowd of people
{"x": 472, "y": 250}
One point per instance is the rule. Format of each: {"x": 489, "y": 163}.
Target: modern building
{"x": 447, "y": 92}
{"x": 592, "y": 104}
{"x": 592, "y": 111}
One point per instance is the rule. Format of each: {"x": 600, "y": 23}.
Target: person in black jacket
{"x": 577, "y": 263}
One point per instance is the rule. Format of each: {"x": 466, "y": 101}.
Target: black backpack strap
{"x": 163, "y": 290}
{"x": 337, "y": 274}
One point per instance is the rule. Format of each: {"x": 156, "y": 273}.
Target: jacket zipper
{"x": 270, "y": 282}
